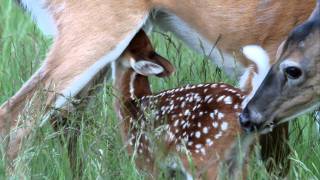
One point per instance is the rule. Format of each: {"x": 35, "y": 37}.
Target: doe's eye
{"x": 293, "y": 72}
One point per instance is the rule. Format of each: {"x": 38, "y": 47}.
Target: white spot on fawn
{"x": 212, "y": 115}
{"x": 198, "y": 146}
{"x": 220, "y": 115}
{"x": 220, "y": 98}
{"x": 182, "y": 122}
{"x": 203, "y": 151}
{"x": 187, "y": 112}
{"x": 228, "y": 100}
{"x": 205, "y": 130}
{"x": 198, "y": 134}
{"x": 207, "y": 97}
{"x": 183, "y": 104}
{"x": 215, "y": 124}
{"x": 213, "y": 85}
{"x": 217, "y": 136}
{"x": 210, "y": 100}
{"x": 184, "y": 133}
{"x": 224, "y": 126}
{"x": 184, "y": 125}
{"x": 209, "y": 142}
{"x": 176, "y": 123}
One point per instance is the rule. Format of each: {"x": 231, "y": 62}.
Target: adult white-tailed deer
{"x": 89, "y": 34}
{"x": 292, "y": 86}
{"x": 201, "y": 119}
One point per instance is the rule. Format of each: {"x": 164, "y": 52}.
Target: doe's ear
{"x": 316, "y": 12}
{"x": 146, "y": 68}
{"x": 280, "y": 50}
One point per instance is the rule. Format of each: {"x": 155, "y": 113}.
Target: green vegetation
{"x": 103, "y": 156}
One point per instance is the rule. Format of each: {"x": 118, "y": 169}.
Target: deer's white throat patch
{"x": 132, "y": 79}
{"x": 258, "y": 56}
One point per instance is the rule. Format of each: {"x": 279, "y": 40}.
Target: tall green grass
{"x": 103, "y": 156}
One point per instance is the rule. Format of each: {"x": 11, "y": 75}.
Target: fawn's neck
{"x": 131, "y": 85}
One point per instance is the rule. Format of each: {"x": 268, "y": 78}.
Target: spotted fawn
{"x": 199, "y": 121}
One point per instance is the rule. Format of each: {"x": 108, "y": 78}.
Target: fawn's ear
{"x": 146, "y": 68}
{"x": 166, "y": 65}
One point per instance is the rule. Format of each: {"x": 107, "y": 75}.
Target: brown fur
{"x": 89, "y": 29}
{"x": 133, "y": 113}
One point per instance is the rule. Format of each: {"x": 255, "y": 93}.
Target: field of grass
{"x": 22, "y": 47}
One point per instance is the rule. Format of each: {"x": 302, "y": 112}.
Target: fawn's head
{"x": 292, "y": 86}
{"x": 142, "y": 58}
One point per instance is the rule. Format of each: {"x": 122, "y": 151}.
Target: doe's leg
{"x": 89, "y": 38}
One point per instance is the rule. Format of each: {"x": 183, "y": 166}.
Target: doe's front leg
{"x": 82, "y": 48}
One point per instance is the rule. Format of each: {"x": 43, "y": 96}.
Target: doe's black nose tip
{"x": 245, "y": 122}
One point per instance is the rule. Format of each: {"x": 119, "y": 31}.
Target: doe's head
{"x": 292, "y": 86}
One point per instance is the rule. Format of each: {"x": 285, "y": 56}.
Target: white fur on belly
{"x": 83, "y": 79}
{"x": 41, "y": 15}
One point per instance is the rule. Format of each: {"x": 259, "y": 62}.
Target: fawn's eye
{"x": 293, "y": 72}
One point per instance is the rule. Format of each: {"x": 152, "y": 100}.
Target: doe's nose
{"x": 245, "y": 121}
